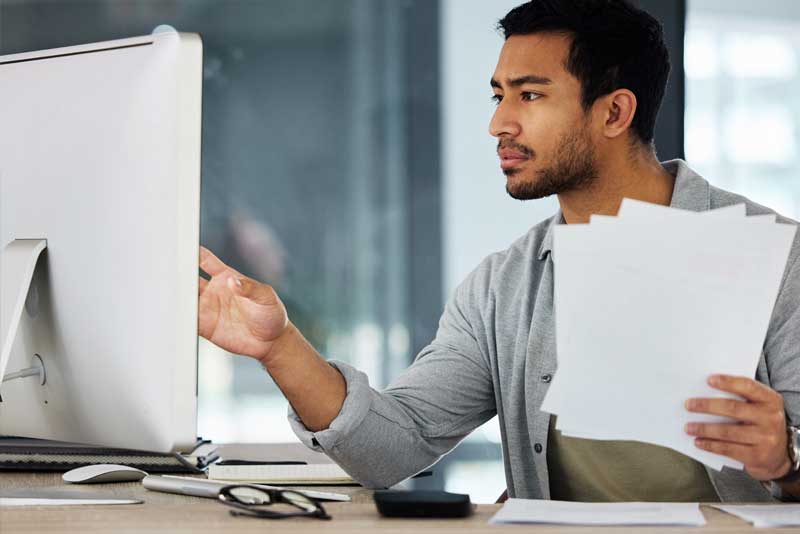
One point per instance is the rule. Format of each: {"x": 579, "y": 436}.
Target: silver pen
{"x": 200, "y": 487}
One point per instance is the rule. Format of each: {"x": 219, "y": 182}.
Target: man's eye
{"x": 530, "y": 96}
{"x": 496, "y": 99}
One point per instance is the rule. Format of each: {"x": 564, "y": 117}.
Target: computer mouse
{"x": 102, "y": 473}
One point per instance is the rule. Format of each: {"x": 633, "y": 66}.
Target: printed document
{"x": 765, "y": 516}
{"x": 648, "y": 305}
{"x": 579, "y": 513}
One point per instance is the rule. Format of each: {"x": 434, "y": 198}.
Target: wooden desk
{"x": 168, "y": 513}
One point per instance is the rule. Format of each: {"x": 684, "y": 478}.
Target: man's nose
{"x": 503, "y": 122}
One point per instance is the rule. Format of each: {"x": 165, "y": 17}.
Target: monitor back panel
{"x": 100, "y": 155}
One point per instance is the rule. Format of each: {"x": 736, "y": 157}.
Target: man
{"x": 578, "y": 86}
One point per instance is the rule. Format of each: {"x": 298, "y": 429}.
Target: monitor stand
{"x": 19, "y": 264}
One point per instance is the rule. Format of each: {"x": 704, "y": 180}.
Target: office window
{"x": 743, "y": 108}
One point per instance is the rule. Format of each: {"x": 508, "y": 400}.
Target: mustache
{"x": 511, "y": 145}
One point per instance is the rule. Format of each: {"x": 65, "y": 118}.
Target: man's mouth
{"x": 511, "y": 158}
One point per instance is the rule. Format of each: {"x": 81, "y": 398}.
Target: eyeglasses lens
{"x": 300, "y": 500}
{"x": 251, "y": 496}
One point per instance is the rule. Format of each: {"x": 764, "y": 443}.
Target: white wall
{"x": 479, "y": 216}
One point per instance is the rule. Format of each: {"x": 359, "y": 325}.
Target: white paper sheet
{"x": 636, "y": 209}
{"x": 765, "y": 516}
{"x": 27, "y": 501}
{"x": 60, "y": 496}
{"x": 645, "y": 312}
{"x": 575, "y": 513}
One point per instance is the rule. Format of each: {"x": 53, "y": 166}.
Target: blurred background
{"x": 346, "y": 161}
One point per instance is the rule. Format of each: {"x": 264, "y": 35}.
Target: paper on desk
{"x": 765, "y": 516}
{"x": 646, "y": 311}
{"x": 25, "y": 501}
{"x": 59, "y": 497}
{"x": 577, "y": 513}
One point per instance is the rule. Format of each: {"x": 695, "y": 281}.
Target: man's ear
{"x": 616, "y": 112}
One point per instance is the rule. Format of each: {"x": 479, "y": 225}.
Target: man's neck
{"x": 640, "y": 177}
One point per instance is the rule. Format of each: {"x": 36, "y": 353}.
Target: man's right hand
{"x": 246, "y": 317}
{"x": 238, "y": 313}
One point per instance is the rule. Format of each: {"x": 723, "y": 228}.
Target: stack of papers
{"x": 579, "y": 513}
{"x": 765, "y": 516}
{"x": 648, "y": 305}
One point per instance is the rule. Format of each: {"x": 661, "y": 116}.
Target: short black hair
{"x": 614, "y": 46}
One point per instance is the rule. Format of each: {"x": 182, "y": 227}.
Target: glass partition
{"x": 314, "y": 153}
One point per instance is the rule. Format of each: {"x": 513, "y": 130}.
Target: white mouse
{"x": 101, "y": 473}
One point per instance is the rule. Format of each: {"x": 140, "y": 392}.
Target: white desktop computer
{"x": 99, "y": 233}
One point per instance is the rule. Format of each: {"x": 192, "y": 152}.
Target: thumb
{"x": 252, "y": 290}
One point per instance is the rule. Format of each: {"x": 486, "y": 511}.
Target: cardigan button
{"x": 538, "y": 447}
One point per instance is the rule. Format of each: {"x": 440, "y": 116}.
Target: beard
{"x": 574, "y": 167}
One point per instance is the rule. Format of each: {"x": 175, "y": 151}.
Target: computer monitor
{"x": 99, "y": 232}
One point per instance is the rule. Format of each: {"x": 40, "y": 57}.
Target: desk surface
{"x": 164, "y": 512}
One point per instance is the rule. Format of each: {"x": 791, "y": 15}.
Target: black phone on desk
{"x": 422, "y": 503}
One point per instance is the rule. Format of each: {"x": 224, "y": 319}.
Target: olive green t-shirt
{"x": 589, "y": 470}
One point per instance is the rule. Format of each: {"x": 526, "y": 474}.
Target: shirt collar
{"x": 547, "y": 243}
{"x": 691, "y": 192}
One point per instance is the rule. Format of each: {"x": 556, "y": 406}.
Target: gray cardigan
{"x": 494, "y": 353}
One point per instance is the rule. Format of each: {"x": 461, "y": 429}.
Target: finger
{"x": 743, "y": 453}
{"x": 210, "y": 263}
{"x": 733, "y": 433}
{"x": 735, "y": 409}
{"x": 252, "y": 290}
{"x": 202, "y": 283}
{"x": 748, "y": 388}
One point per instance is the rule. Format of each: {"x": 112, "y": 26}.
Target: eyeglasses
{"x": 253, "y": 501}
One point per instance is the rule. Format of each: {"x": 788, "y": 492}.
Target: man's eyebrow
{"x": 522, "y": 80}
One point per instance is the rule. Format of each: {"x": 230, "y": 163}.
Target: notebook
{"x": 306, "y": 474}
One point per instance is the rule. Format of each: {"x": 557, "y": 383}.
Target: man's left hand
{"x": 757, "y": 436}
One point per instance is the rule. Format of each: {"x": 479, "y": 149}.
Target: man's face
{"x": 544, "y": 138}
